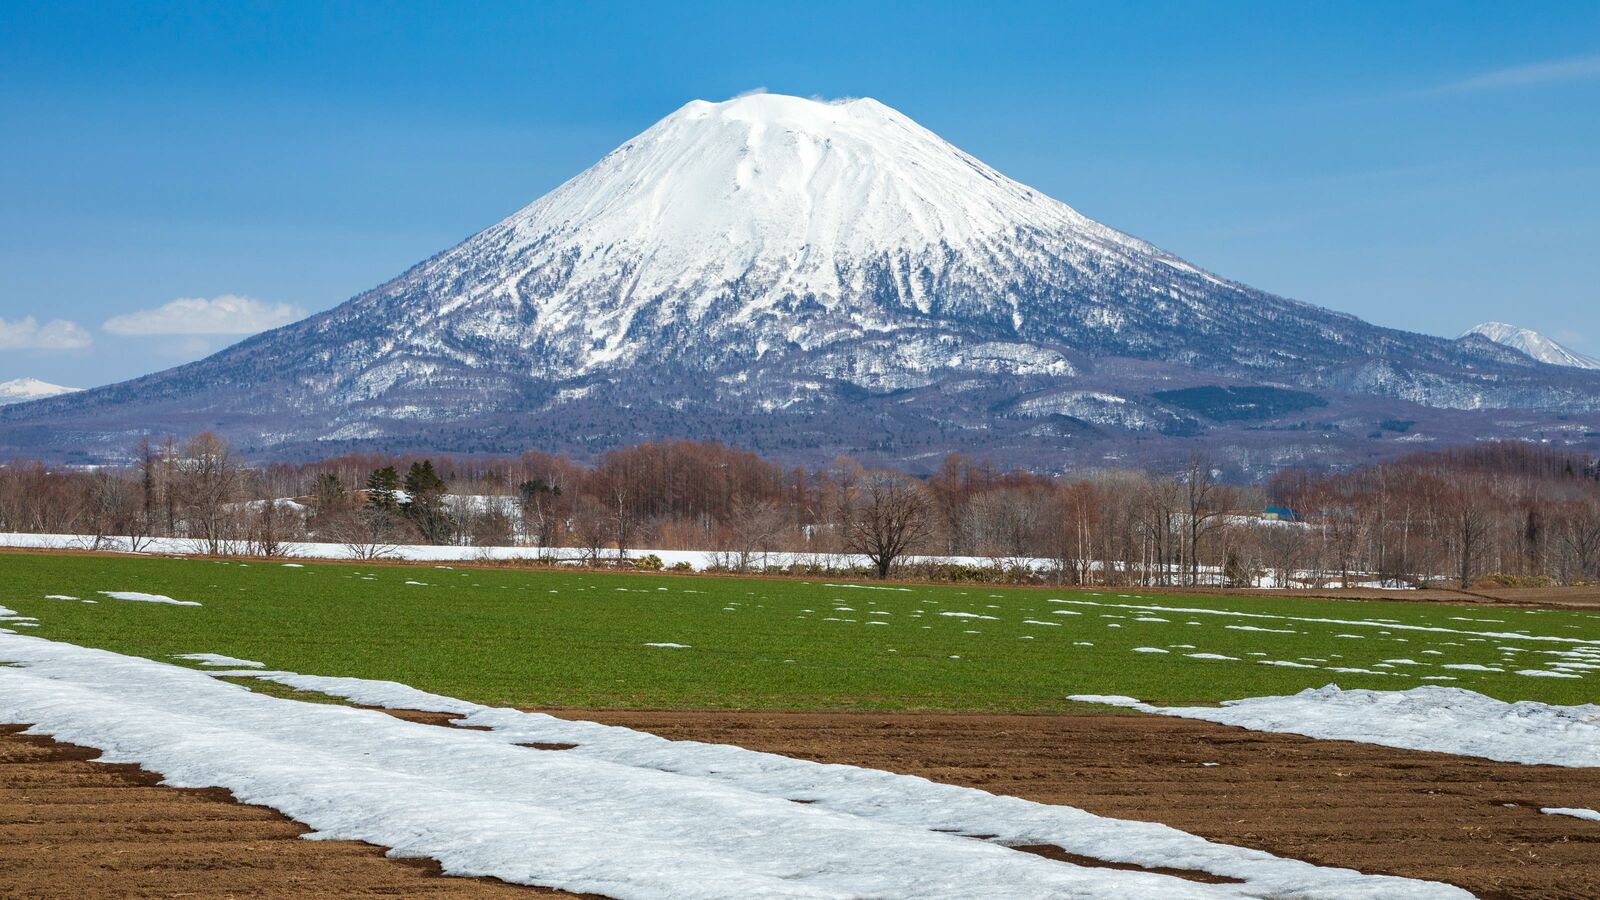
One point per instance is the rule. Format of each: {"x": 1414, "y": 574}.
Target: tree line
{"x": 1515, "y": 512}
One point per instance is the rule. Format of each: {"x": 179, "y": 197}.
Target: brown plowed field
{"x": 71, "y": 828}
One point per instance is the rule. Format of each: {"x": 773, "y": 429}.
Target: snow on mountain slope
{"x": 826, "y": 276}
{"x": 1534, "y": 344}
{"x": 765, "y": 223}
{"x": 799, "y": 190}
{"x": 21, "y": 390}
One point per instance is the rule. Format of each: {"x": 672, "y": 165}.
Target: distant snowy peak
{"x": 1534, "y": 344}
{"x": 22, "y": 390}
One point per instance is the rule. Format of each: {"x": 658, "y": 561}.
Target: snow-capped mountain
{"x": 1534, "y": 344}
{"x": 21, "y": 390}
{"x": 806, "y": 278}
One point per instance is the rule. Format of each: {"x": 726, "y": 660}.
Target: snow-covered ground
{"x": 1443, "y": 719}
{"x": 695, "y": 559}
{"x": 623, "y": 813}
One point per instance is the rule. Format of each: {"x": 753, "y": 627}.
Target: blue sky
{"x": 1425, "y": 166}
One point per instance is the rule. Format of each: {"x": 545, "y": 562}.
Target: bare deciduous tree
{"x": 753, "y": 525}
{"x": 888, "y": 515}
{"x": 207, "y": 483}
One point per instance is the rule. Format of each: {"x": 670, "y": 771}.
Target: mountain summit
{"x": 21, "y": 390}
{"x": 1534, "y": 344}
{"x": 805, "y": 278}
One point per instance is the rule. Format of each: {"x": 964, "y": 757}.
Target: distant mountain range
{"x": 1534, "y": 344}
{"x": 807, "y": 278}
{"x": 23, "y": 389}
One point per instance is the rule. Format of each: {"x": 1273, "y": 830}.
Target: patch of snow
{"x": 1574, "y": 812}
{"x": 147, "y": 598}
{"x": 1441, "y": 719}
{"x": 217, "y": 659}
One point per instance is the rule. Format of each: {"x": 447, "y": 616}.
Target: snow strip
{"x": 887, "y": 797}
{"x": 218, "y": 660}
{"x": 625, "y": 814}
{"x": 1441, "y": 719}
{"x": 1574, "y": 812}
{"x": 147, "y": 598}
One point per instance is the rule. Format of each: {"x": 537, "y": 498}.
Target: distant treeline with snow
{"x": 1512, "y": 512}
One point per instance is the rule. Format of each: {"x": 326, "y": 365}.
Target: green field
{"x": 579, "y": 639}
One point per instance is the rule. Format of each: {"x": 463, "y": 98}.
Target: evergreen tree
{"x": 425, "y": 505}
{"x": 327, "y": 493}
{"x": 382, "y": 486}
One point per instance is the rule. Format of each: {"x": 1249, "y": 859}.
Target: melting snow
{"x": 622, "y": 813}
{"x": 1575, "y": 812}
{"x": 217, "y": 659}
{"x": 147, "y": 598}
{"x": 1443, "y": 719}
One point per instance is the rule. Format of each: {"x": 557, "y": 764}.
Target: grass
{"x": 578, "y": 639}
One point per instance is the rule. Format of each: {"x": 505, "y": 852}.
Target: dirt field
{"x": 69, "y": 827}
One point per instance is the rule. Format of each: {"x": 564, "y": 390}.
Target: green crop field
{"x": 583, "y": 639}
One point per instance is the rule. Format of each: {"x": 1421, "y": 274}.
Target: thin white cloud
{"x": 1579, "y": 68}
{"x": 57, "y": 334}
{"x": 226, "y": 314}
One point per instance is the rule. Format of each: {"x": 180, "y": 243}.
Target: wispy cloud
{"x": 1578, "y": 68}
{"x": 226, "y": 314}
{"x": 57, "y": 334}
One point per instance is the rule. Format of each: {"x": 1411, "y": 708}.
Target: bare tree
{"x": 368, "y": 532}
{"x": 591, "y": 525}
{"x": 1205, "y": 503}
{"x": 272, "y": 523}
{"x": 1284, "y": 545}
{"x": 1005, "y": 523}
{"x": 888, "y": 515}
{"x": 113, "y": 508}
{"x": 1468, "y": 521}
{"x": 208, "y": 482}
{"x": 1158, "y": 515}
{"x": 753, "y": 525}
{"x": 1578, "y": 532}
